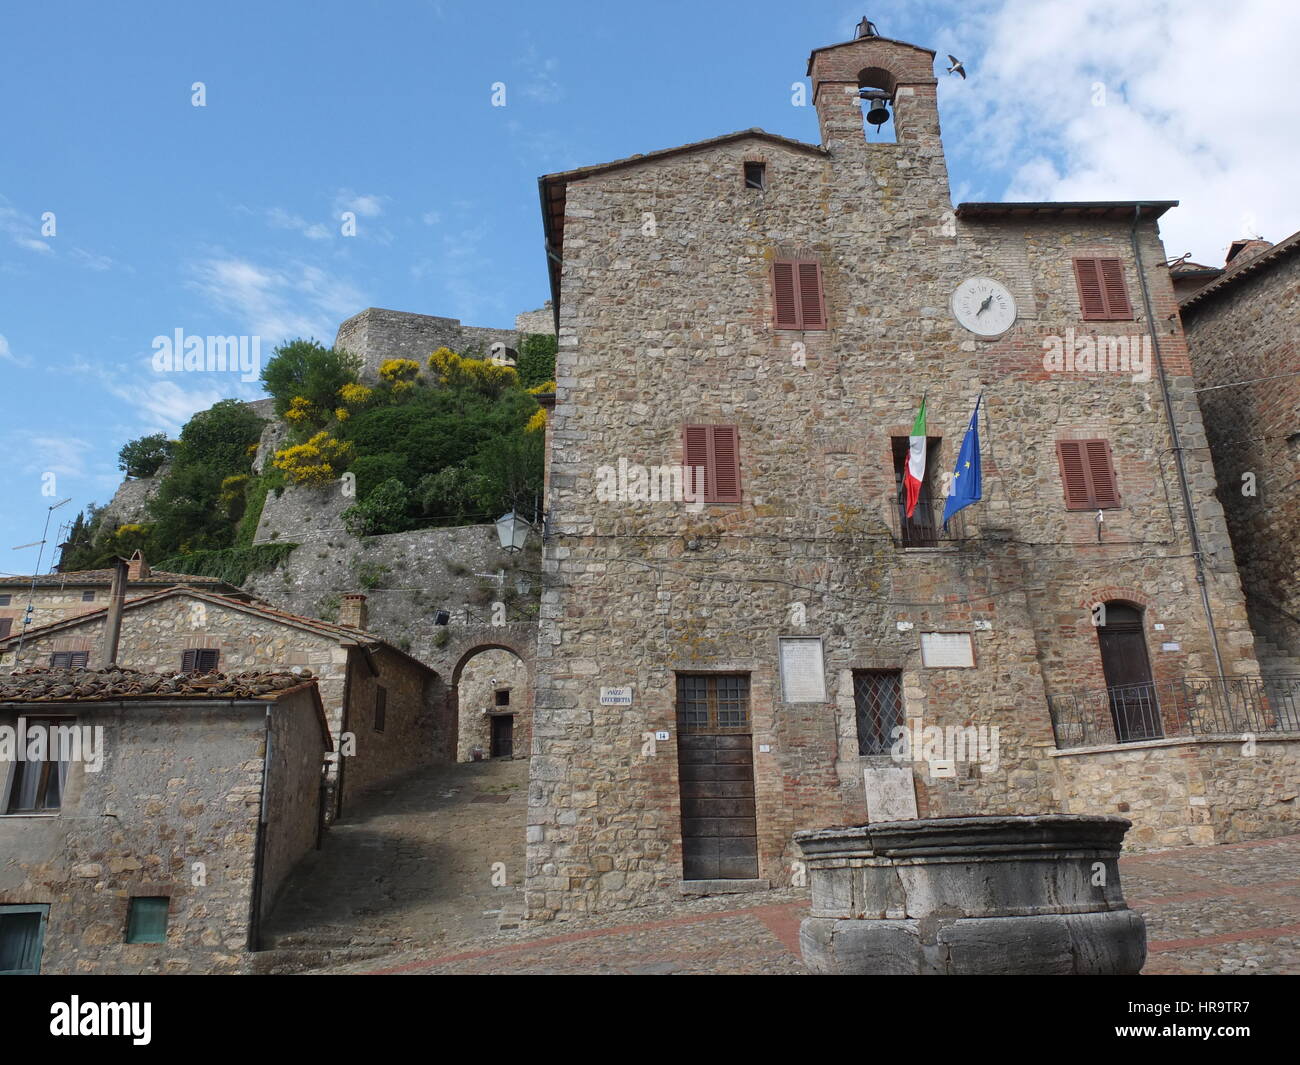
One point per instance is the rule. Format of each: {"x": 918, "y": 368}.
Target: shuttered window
{"x": 381, "y": 707}
{"x": 1087, "y": 474}
{"x": 200, "y": 660}
{"x": 6, "y": 626}
{"x": 1103, "y": 296}
{"x": 797, "y": 297}
{"x": 716, "y": 450}
{"x": 146, "y": 920}
{"x": 69, "y": 659}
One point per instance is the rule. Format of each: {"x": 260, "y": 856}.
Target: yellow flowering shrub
{"x": 353, "y": 395}
{"x": 299, "y": 410}
{"x": 536, "y": 422}
{"x": 542, "y": 389}
{"x": 316, "y": 462}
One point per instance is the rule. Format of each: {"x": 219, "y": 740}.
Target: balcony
{"x": 925, "y": 527}
{"x": 1189, "y": 706}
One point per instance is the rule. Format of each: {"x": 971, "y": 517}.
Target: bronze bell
{"x": 879, "y": 114}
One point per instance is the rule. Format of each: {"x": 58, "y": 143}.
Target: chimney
{"x": 113, "y": 619}
{"x": 139, "y": 568}
{"x": 352, "y": 612}
{"x": 1246, "y": 248}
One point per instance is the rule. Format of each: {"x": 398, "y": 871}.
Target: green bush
{"x": 308, "y": 369}
{"x": 537, "y": 359}
{"x": 142, "y": 457}
{"x": 383, "y": 511}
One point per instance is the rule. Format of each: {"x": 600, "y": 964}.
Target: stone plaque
{"x": 803, "y": 676}
{"x": 947, "y": 649}
{"x": 891, "y": 793}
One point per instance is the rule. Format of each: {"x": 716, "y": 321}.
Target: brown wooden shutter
{"x": 1087, "y": 474}
{"x": 1114, "y": 290}
{"x": 726, "y": 464}
{"x": 784, "y": 299}
{"x": 715, "y": 448}
{"x": 189, "y": 661}
{"x": 1101, "y": 474}
{"x": 812, "y": 311}
{"x": 6, "y": 626}
{"x": 695, "y": 457}
{"x": 1092, "y": 302}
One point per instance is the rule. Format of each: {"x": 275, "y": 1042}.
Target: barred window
{"x": 712, "y": 702}
{"x": 878, "y": 700}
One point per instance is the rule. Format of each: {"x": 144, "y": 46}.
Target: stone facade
{"x": 493, "y": 683}
{"x": 347, "y": 664}
{"x": 666, "y": 319}
{"x": 541, "y": 321}
{"x": 377, "y": 335}
{"x": 1189, "y": 791}
{"x": 1241, "y": 328}
{"x": 176, "y": 810}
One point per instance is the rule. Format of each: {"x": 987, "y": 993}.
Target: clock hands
{"x": 985, "y": 305}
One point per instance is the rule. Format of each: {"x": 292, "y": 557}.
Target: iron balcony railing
{"x": 1190, "y": 706}
{"x": 925, "y": 527}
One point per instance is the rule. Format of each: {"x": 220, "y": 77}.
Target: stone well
{"x": 970, "y": 895}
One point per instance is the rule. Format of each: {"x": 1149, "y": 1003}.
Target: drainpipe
{"x": 259, "y": 849}
{"x": 113, "y": 618}
{"x": 1177, "y": 445}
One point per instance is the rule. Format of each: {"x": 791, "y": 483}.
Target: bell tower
{"x": 899, "y": 78}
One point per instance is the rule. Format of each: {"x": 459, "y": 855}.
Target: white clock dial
{"x": 984, "y": 306}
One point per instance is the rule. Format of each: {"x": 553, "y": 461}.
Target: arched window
{"x": 1130, "y": 689}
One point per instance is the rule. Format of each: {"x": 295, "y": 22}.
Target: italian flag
{"x": 914, "y": 471}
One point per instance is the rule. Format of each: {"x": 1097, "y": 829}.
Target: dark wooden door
{"x": 503, "y": 735}
{"x": 715, "y": 762}
{"x": 1127, "y": 669}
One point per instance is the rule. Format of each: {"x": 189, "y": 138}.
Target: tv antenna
{"x": 40, "y": 556}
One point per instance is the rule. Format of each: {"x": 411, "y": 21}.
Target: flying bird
{"x": 956, "y": 67}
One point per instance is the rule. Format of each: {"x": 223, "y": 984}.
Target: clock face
{"x": 984, "y": 306}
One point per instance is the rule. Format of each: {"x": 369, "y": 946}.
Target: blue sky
{"x": 225, "y": 219}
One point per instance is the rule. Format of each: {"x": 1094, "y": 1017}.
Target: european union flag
{"x": 967, "y": 481}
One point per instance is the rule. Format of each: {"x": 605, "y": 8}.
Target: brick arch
{"x": 1111, "y": 593}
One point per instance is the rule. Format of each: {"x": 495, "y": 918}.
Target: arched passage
{"x": 493, "y": 704}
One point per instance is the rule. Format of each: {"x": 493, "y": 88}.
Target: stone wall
{"x": 377, "y": 335}
{"x": 406, "y": 577}
{"x": 541, "y": 321}
{"x": 130, "y": 502}
{"x": 671, "y": 325}
{"x": 1247, "y": 331}
{"x": 177, "y": 801}
{"x": 413, "y": 732}
{"x": 1187, "y": 792}
{"x": 482, "y": 677}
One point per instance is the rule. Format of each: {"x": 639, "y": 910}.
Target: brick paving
{"x": 409, "y": 880}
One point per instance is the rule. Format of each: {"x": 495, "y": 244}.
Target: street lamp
{"x": 512, "y": 531}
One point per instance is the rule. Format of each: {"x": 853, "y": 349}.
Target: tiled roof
{"x": 74, "y": 578}
{"x": 1107, "y": 210}
{"x": 1238, "y": 269}
{"x": 101, "y": 685}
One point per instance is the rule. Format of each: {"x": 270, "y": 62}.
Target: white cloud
{"x": 542, "y": 86}
{"x": 277, "y": 304}
{"x": 7, "y": 353}
{"x": 282, "y": 219}
{"x": 363, "y": 205}
{"x": 21, "y": 229}
{"x": 64, "y": 456}
{"x": 1199, "y": 106}
{"x": 431, "y": 218}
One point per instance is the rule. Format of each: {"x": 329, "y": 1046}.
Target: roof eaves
{"x": 1242, "y": 269}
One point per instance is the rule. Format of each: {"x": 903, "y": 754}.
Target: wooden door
{"x": 715, "y": 761}
{"x": 1124, "y": 662}
{"x": 503, "y": 735}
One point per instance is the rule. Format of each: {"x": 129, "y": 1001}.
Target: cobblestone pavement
{"x": 431, "y": 860}
{"x": 1226, "y": 909}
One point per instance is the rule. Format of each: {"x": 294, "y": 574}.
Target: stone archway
{"x": 490, "y": 698}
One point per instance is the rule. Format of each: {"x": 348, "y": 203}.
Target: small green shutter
{"x": 147, "y": 922}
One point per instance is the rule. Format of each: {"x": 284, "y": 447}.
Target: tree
{"x": 142, "y": 457}
{"x": 308, "y": 370}
{"x": 537, "y": 359}
{"x": 383, "y": 511}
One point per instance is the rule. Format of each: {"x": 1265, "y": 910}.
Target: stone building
{"x": 160, "y": 839}
{"x": 495, "y": 707}
{"x": 1243, "y": 333}
{"x": 377, "y": 334}
{"x": 717, "y": 670}
{"x": 57, "y": 596}
{"x": 387, "y": 712}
